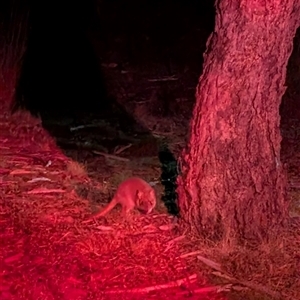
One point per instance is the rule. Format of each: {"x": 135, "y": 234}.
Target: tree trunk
{"x": 233, "y": 184}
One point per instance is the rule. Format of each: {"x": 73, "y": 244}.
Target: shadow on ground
{"x": 61, "y": 80}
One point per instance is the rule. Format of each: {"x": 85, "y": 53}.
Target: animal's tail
{"x": 105, "y": 210}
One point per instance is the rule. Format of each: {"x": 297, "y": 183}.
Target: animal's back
{"x": 127, "y": 190}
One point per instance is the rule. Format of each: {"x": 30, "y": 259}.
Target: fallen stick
{"x": 170, "y": 243}
{"x": 111, "y": 156}
{"x": 118, "y": 150}
{"x": 257, "y": 287}
{"x": 45, "y": 191}
{"x": 189, "y": 254}
{"x": 209, "y": 289}
{"x": 221, "y": 273}
{"x": 169, "y": 78}
{"x": 148, "y": 289}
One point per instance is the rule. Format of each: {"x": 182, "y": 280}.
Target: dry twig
{"x": 112, "y": 156}
{"x": 148, "y": 289}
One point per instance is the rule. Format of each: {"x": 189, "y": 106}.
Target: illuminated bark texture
{"x": 233, "y": 183}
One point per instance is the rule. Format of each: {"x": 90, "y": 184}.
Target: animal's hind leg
{"x": 127, "y": 215}
{"x": 126, "y": 209}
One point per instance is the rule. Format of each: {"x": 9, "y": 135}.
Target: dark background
{"x": 62, "y": 67}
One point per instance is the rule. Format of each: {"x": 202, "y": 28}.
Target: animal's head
{"x": 146, "y": 200}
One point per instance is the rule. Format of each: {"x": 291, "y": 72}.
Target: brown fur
{"x": 132, "y": 193}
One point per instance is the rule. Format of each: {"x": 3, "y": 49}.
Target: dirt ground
{"x": 49, "y": 252}
{"x": 56, "y": 170}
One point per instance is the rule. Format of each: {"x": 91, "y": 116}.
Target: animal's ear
{"x": 139, "y": 194}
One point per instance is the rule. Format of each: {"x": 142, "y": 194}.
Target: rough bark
{"x": 233, "y": 183}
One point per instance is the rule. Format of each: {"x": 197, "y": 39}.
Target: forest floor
{"x": 48, "y": 252}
